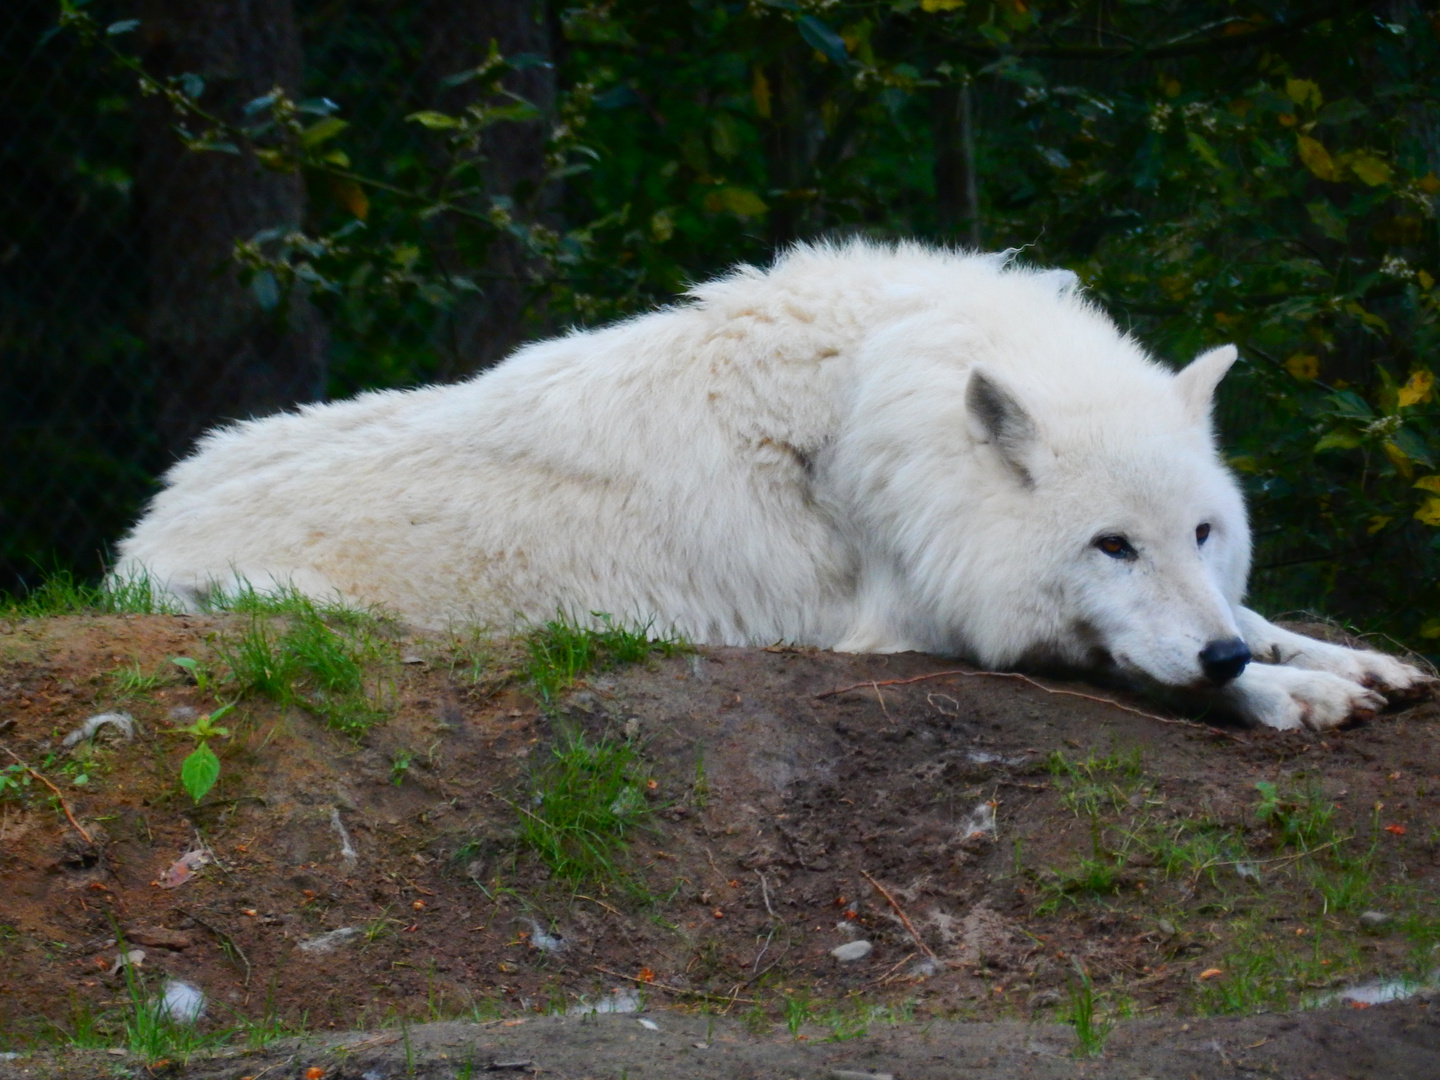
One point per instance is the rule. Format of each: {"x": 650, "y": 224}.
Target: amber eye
{"x": 1202, "y": 532}
{"x": 1117, "y": 547}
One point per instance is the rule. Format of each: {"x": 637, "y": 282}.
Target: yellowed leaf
{"x": 1303, "y": 366}
{"x": 1304, "y": 92}
{"x": 1419, "y": 387}
{"x": 1429, "y": 483}
{"x": 1378, "y": 522}
{"x": 1429, "y": 513}
{"x": 1426, "y": 281}
{"x": 1430, "y": 628}
{"x": 1315, "y": 157}
{"x": 941, "y": 5}
{"x": 1399, "y": 459}
{"x": 760, "y": 91}
{"x": 351, "y": 196}
{"x": 739, "y": 201}
{"x": 1370, "y": 168}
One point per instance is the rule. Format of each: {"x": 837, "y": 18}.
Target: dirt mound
{"x": 977, "y": 847}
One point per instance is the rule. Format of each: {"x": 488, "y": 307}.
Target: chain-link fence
{"x": 123, "y": 327}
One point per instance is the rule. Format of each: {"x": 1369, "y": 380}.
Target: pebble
{"x": 852, "y": 950}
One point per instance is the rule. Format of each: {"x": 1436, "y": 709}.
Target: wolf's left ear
{"x": 1197, "y": 381}
{"x": 997, "y": 418}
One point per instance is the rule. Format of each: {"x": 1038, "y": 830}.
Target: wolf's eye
{"x": 1117, "y": 547}
{"x": 1202, "y": 532}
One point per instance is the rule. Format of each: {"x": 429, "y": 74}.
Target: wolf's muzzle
{"x": 1224, "y": 659}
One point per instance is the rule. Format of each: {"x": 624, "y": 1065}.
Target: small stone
{"x": 1166, "y": 927}
{"x": 851, "y": 951}
{"x": 1374, "y": 920}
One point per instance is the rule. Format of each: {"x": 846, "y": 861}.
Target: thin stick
{"x": 607, "y": 907}
{"x": 872, "y": 684}
{"x": 881, "y": 698}
{"x": 903, "y": 917}
{"x": 765, "y": 892}
{"x": 63, "y": 804}
{"x": 675, "y": 989}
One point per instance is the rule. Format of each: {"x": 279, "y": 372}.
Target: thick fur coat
{"x": 863, "y": 448}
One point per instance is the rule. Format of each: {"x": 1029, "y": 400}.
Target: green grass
{"x": 562, "y": 650}
{"x": 62, "y": 593}
{"x": 585, "y": 803}
{"x": 317, "y": 656}
{"x": 1091, "y": 1030}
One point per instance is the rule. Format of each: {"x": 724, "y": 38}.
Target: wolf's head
{"x": 1143, "y": 544}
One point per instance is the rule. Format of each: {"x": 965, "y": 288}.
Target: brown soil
{"x": 813, "y": 807}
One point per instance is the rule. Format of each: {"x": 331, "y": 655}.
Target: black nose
{"x": 1224, "y": 659}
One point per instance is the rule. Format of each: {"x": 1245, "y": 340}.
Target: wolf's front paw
{"x": 1289, "y": 697}
{"x": 1393, "y": 678}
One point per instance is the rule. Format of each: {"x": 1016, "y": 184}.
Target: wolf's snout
{"x": 1224, "y": 659}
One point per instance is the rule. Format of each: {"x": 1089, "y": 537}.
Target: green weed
{"x": 562, "y": 650}
{"x": 62, "y": 593}
{"x": 1091, "y": 1031}
{"x": 296, "y": 652}
{"x": 132, "y": 681}
{"x": 585, "y": 803}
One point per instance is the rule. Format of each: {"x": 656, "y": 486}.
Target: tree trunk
{"x": 218, "y": 354}
{"x": 484, "y": 330}
{"x": 957, "y": 188}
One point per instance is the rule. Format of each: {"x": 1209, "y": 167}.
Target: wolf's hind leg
{"x": 1271, "y": 644}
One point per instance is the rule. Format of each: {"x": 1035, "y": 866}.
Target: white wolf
{"x": 864, "y": 448}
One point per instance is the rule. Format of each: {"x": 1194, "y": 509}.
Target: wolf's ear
{"x": 996, "y": 417}
{"x": 1197, "y": 382}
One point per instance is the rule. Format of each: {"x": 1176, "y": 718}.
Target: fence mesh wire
{"x": 78, "y": 377}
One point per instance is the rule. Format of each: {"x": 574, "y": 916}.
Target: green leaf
{"x": 266, "y": 290}
{"x": 823, "y": 39}
{"x": 1204, "y": 150}
{"x": 1327, "y": 220}
{"x": 123, "y": 27}
{"x": 199, "y": 771}
{"x": 1349, "y": 403}
{"x": 322, "y": 130}
{"x": 1413, "y": 446}
{"x": 1338, "y": 439}
{"x": 436, "y": 121}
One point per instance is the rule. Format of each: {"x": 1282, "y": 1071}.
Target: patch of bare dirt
{"x": 989, "y": 839}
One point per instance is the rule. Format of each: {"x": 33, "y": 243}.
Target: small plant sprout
{"x": 196, "y": 670}
{"x": 201, "y": 768}
{"x": 1091, "y": 1032}
{"x": 399, "y": 766}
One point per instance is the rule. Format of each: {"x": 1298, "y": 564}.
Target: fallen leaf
{"x": 314, "y": 1073}
{"x": 1210, "y": 973}
{"x": 1398, "y": 830}
{"x": 183, "y": 869}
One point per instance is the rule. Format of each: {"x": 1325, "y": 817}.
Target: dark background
{"x": 1263, "y": 173}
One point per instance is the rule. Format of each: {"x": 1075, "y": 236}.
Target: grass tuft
{"x": 562, "y": 650}
{"x": 586, "y": 801}
{"x": 62, "y": 593}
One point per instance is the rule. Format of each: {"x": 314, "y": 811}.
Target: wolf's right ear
{"x": 1197, "y": 382}
{"x": 997, "y": 418}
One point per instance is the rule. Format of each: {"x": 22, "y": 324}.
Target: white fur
{"x": 863, "y": 448}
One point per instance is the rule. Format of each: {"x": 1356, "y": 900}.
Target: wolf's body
{"x": 864, "y": 448}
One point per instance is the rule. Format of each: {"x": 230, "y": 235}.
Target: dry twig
{"x": 63, "y": 804}
{"x": 872, "y": 684}
{"x": 675, "y": 989}
{"x": 903, "y": 917}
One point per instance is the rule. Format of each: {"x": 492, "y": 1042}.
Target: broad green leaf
{"x": 823, "y": 39}
{"x": 199, "y": 771}
{"x": 123, "y": 27}
{"x": 266, "y": 290}
{"x": 1338, "y": 439}
{"x": 322, "y": 130}
{"x": 1409, "y": 443}
{"x": 436, "y": 121}
{"x": 1327, "y": 220}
